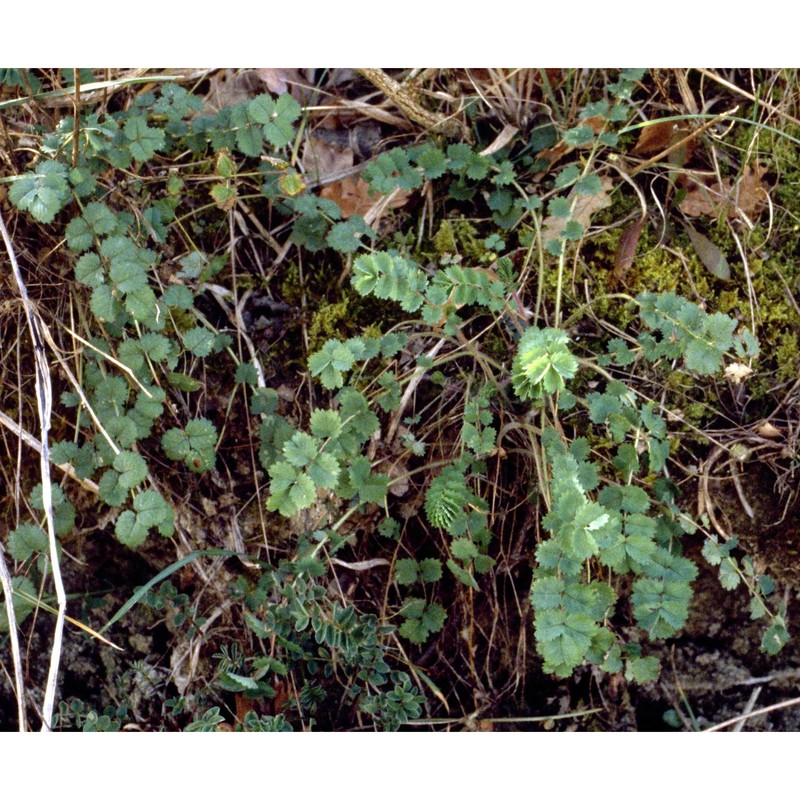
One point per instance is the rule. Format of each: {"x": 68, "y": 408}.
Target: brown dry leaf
{"x": 585, "y": 206}
{"x": 768, "y": 431}
{"x": 278, "y": 80}
{"x": 627, "y": 249}
{"x": 703, "y": 200}
{"x": 747, "y": 197}
{"x": 229, "y": 87}
{"x": 351, "y": 195}
{"x": 654, "y": 138}
{"x": 322, "y": 159}
{"x": 751, "y": 191}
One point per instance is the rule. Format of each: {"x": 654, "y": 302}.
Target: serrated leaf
{"x": 89, "y": 270}
{"x": 642, "y": 670}
{"x": 433, "y": 618}
{"x": 23, "y": 590}
{"x": 406, "y": 571}
{"x": 462, "y": 574}
{"x": 563, "y": 640}
{"x": 326, "y": 424}
{"x": 154, "y": 511}
{"x": 430, "y": 570}
{"x": 144, "y": 141}
{"x": 198, "y": 341}
{"x": 463, "y": 549}
{"x": 25, "y": 540}
{"x": 132, "y": 468}
{"x": 130, "y": 530}
{"x": 43, "y": 192}
{"x": 110, "y": 489}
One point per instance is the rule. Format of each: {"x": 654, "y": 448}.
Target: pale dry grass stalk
{"x": 44, "y": 405}
{"x": 8, "y": 593}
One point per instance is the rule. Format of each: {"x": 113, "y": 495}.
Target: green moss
{"x": 787, "y": 356}
{"x": 457, "y": 237}
{"x": 332, "y": 321}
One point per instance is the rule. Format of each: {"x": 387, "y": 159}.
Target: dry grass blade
{"x": 76, "y": 622}
{"x": 8, "y": 593}
{"x": 44, "y": 397}
{"x": 751, "y": 714}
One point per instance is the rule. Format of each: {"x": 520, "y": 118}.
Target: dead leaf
{"x": 321, "y": 159}
{"x": 278, "y": 80}
{"x": 352, "y": 195}
{"x": 627, "y": 249}
{"x": 585, "y": 206}
{"x": 768, "y": 431}
{"x": 654, "y": 137}
{"x": 712, "y": 257}
{"x": 229, "y": 87}
{"x": 748, "y": 196}
{"x": 704, "y": 200}
{"x": 751, "y": 191}
{"x": 737, "y": 372}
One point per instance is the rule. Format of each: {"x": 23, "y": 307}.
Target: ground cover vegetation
{"x": 430, "y": 399}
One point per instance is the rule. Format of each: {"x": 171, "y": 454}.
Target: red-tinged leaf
{"x": 712, "y": 257}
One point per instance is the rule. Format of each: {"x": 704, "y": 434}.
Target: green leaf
{"x": 130, "y": 529}
{"x": 25, "y": 540}
{"x": 154, "y": 512}
{"x": 729, "y": 577}
{"x": 391, "y": 170}
{"x": 198, "y": 341}
{"x": 301, "y": 449}
{"x": 579, "y": 136}
{"x": 563, "y": 640}
{"x": 23, "y": 601}
{"x": 463, "y": 575}
{"x": 88, "y": 270}
{"x": 433, "y": 162}
{"x": 326, "y": 424}
{"x": 329, "y": 363}
{"x": 194, "y": 445}
{"x": 463, "y": 549}
{"x": 642, "y": 670}
{"x": 661, "y": 607}
{"x": 276, "y": 116}
{"x": 290, "y": 490}
{"x": 345, "y": 237}
{"x": 144, "y": 142}
{"x": 132, "y": 468}
{"x": 110, "y": 489}
{"x": 406, "y": 571}
{"x": 774, "y": 638}
{"x": 44, "y": 192}
{"x": 430, "y": 570}
{"x": 433, "y": 618}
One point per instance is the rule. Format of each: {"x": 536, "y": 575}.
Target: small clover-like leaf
{"x": 132, "y": 468}
{"x": 130, "y": 529}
